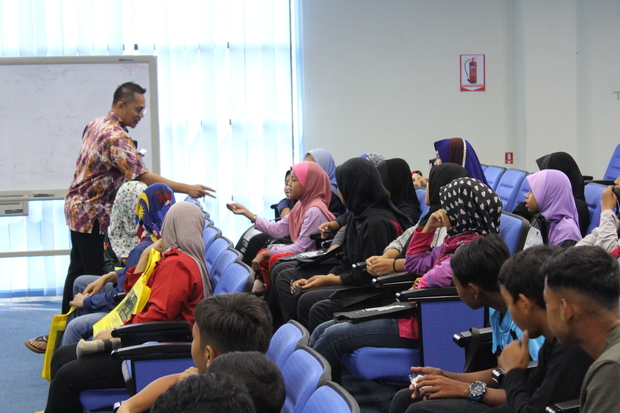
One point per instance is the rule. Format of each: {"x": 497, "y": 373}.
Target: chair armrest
{"x": 571, "y": 406}
{"x": 393, "y": 278}
{"x": 153, "y": 351}
{"x": 427, "y": 294}
{"x": 162, "y": 331}
{"x": 463, "y": 338}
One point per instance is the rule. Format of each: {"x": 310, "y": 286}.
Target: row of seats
{"x": 307, "y": 375}
{"x": 511, "y": 186}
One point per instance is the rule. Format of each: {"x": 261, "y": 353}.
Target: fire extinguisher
{"x": 471, "y": 70}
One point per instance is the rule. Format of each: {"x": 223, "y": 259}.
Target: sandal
{"x": 38, "y": 345}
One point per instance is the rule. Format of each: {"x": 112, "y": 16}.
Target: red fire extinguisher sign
{"x": 509, "y": 158}
{"x": 473, "y": 73}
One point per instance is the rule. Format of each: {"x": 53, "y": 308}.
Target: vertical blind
{"x": 226, "y": 104}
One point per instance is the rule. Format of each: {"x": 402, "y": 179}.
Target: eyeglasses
{"x": 138, "y": 111}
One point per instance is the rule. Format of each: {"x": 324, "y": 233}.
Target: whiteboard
{"x": 45, "y": 104}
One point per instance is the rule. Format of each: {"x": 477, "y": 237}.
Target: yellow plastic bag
{"x": 133, "y": 302}
{"x": 57, "y": 329}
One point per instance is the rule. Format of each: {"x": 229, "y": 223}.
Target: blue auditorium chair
{"x": 593, "y": 192}
{"x": 209, "y": 234}
{"x": 613, "y": 168}
{"x": 523, "y": 190}
{"x": 493, "y": 175}
{"x": 331, "y": 398}
{"x": 440, "y": 313}
{"x": 508, "y": 188}
{"x": 218, "y": 246}
{"x": 421, "y": 193}
{"x": 225, "y": 259}
{"x": 513, "y": 230}
{"x": 139, "y": 368}
{"x": 304, "y": 371}
{"x": 288, "y": 338}
{"x": 236, "y": 278}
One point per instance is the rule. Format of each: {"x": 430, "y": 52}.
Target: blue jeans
{"x": 332, "y": 339}
{"x": 80, "y": 328}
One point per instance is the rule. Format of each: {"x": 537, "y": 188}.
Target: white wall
{"x": 383, "y": 76}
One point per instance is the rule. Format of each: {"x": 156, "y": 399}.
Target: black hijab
{"x": 439, "y": 176}
{"x": 563, "y": 162}
{"x": 396, "y": 177}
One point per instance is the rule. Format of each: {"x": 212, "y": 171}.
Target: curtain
{"x": 226, "y": 105}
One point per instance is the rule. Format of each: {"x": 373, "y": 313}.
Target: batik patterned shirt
{"x": 108, "y": 159}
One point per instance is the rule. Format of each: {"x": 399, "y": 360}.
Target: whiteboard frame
{"x": 152, "y": 99}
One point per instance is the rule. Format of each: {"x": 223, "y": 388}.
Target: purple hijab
{"x": 460, "y": 152}
{"x": 554, "y": 195}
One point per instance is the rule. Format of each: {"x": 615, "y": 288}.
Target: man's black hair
{"x": 213, "y": 393}
{"x": 258, "y": 373}
{"x": 234, "y": 322}
{"x": 125, "y": 92}
{"x": 479, "y": 261}
{"x": 589, "y": 271}
{"x": 521, "y": 273}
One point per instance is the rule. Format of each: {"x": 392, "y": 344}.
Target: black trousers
{"x": 86, "y": 258}
{"x": 402, "y": 402}
{"x": 71, "y": 375}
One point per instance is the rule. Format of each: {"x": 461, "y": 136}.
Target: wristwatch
{"x": 476, "y": 390}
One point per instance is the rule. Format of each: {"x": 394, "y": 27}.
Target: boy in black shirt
{"x": 560, "y": 369}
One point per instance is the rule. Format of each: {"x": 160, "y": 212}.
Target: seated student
{"x": 562, "y": 161}
{"x": 460, "y": 152}
{"x": 606, "y": 234}
{"x": 179, "y": 281}
{"x": 94, "y": 302}
{"x": 560, "y": 370}
{"x": 249, "y": 245}
{"x": 309, "y": 184}
{"x": 212, "y": 393}
{"x": 258, "y": 373}
{"x": 582, "y": 289}
{"x": 396, "y": 179}
{"x": 470, "y": 210}
{"x": 393, "y": 258}
{"x": 374, "y": 222}
{"x": 225, "y": 323}
{"x": 551, "y": 196}
{"x": 475, "y": 269}
{"x": 120, "y": 239}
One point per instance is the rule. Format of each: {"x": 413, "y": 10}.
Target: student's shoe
{"x": 37, "y": 345}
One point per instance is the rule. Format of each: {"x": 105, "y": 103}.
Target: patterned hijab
{"x": 554, "y": 196}
{"x": 327, "y": 163}
{"x": 316, "y": 193}
{"x": 122, "y": 230}
{"x": 460, "y": 152}
{"x": 439, "y": 176}
{"x": 373, "y": 158}
{"x": 471, "y": 206}
{"x": 182, "y": 229}
{"x": 152, "y": 206}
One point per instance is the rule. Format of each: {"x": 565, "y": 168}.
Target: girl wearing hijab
{"x": 179, "y": 281}
{"x": 119, "y": 241}
{"x": 470, "y": 210}
{"x": 326, "y": 162}
{"x": 463, "y": 223}
{"x": 149, "y": 213}
{"x": 565, "y": 163}
{"x": 309, "y": 184}
{"x": 460, "y": 152}
{"x": 396, "y": 177}
{"x": 551, "y": 195}
{"x": 374, "y": 221}
{"x": 393, "y": 258}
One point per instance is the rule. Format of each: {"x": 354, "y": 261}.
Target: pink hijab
{"x": 317, "y": 193}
